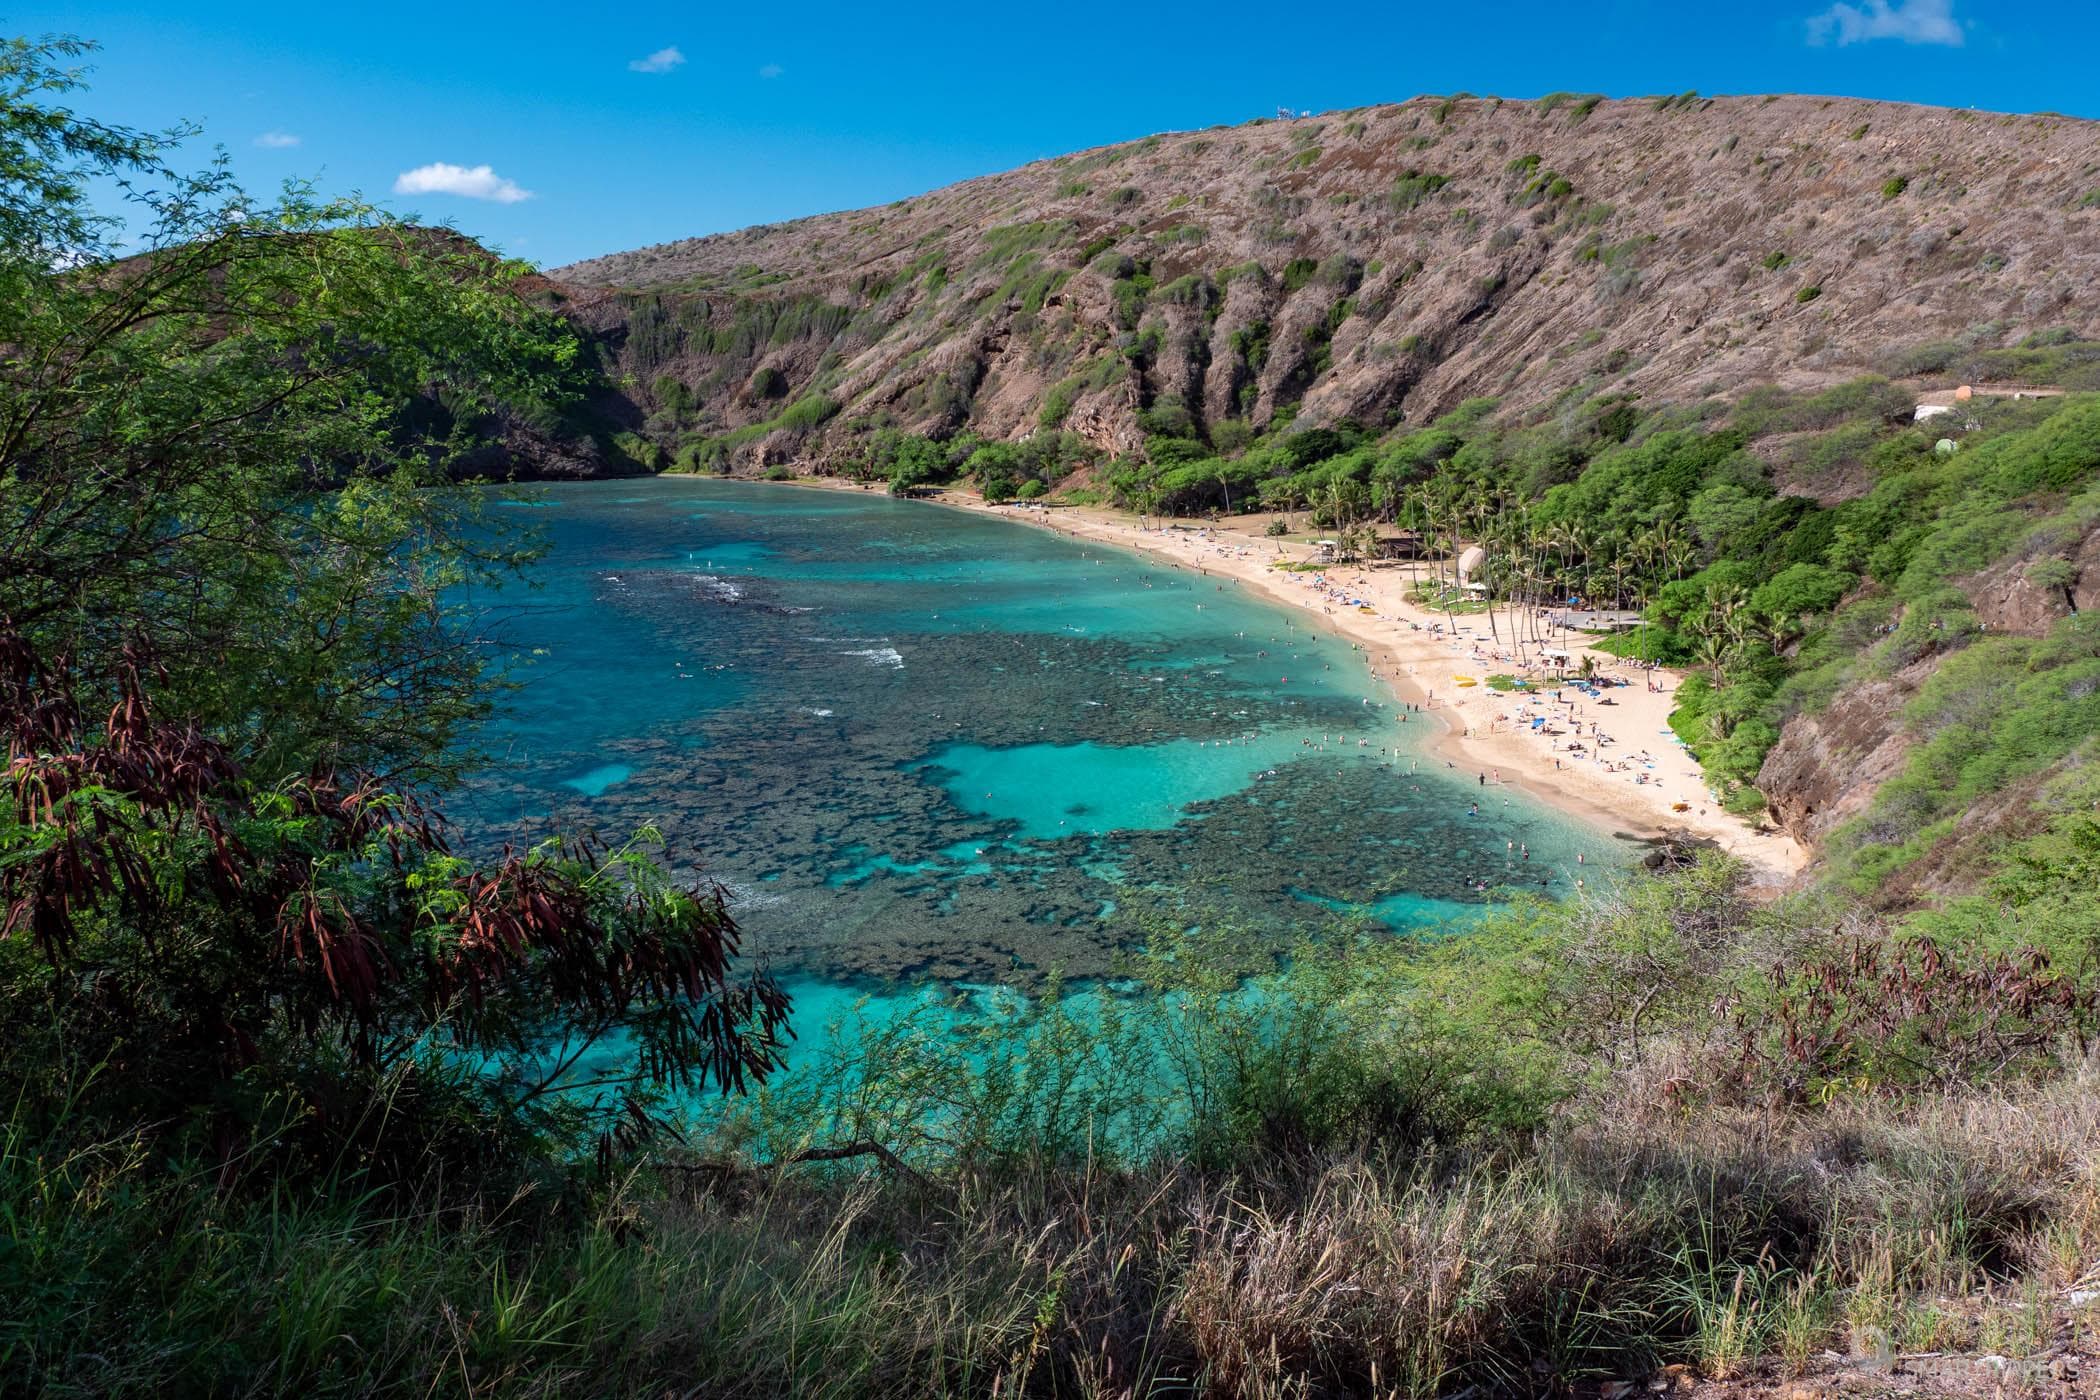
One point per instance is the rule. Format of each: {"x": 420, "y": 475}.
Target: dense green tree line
{"x": 1779, "y": 543}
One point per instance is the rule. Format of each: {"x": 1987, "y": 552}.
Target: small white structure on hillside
{"x": 1946, "y": 401}
{"x": 1469, "y": 561}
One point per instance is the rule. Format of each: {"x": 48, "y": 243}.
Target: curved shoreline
{"x": 1475, "y": 734}
{"x": 1419, "y": 666}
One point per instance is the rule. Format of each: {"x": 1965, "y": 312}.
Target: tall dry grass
{"x": 1625, "y": 1236}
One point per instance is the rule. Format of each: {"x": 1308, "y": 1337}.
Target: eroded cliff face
{"x": 1379, "y": 265}
{"x": 2029, "y": 594}
{"x": 1827, "y": 766}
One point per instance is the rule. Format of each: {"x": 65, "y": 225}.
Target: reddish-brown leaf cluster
{"x": 138, "y": 819}
{"x": 1907, "y": 1009}
{"x": 87, "y": 849}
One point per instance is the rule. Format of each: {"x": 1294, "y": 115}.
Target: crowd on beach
{"x": 1542, "y": 702}
{"x": 1522, "y": 695}
{"x": 1548, "y": 703}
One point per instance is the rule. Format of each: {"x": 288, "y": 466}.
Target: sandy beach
{"x": 1629, "y": 774}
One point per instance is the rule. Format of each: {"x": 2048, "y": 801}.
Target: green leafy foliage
{"x": 1465, "y": 1126}
{"x": 236, "y": 656}
{"x": 1412, "y": 187}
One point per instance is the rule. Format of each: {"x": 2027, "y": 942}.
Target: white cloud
{"x": 276, "y": 140}
{"x": 1911, "y": 21}
{"x": 771, "y": 70}
{"x": 468, "y": 182}
{"x": 662, "y": 61}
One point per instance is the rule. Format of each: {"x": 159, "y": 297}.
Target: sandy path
{"x": 1631, "y": 776}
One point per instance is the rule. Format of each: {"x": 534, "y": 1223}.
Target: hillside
{"x": 1663, "y": 349}
{"x": 1380, "y": 266}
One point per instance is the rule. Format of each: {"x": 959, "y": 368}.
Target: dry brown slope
{"x": 1376, "y": 264}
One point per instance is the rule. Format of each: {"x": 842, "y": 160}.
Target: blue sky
{"x": 556, "y": 134}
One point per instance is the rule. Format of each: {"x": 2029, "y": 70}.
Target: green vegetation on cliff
{"x": 1785, "y": 545}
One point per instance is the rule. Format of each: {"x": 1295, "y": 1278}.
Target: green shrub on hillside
{"x": 1057, "y": 403}
{"x": 642, "y": 452}
{"x": 1192, "y": 290}
{"x": 1800, "y": 591}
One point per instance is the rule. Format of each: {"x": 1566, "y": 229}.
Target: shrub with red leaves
{"x": 1907, "y": 1011}
{"x": 204, "y": 946}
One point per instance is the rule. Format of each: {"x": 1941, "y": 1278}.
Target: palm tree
{"x": 1434, "y": 493}
{"x": 1723, "y": 627}
{"x": 1571, "y": 543}
{"x": 1499, "y": 536}
{"x": 1444, "y": 506}
{"x": 1737, "y": 620}
{"x": 1414, "y": 517}
{"x": 1712, "y": 648}
{"x": 1338, "y": 508}
{"x": 1680, "y": 553}
{"x": 1620, "y": 565}
{"x": 1535, "y": 577}
{"x": 1648, "y": 547}
{"x": 1780, "y": 629}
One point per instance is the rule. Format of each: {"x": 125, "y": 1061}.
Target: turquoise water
{"x": 921, "y": 743}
